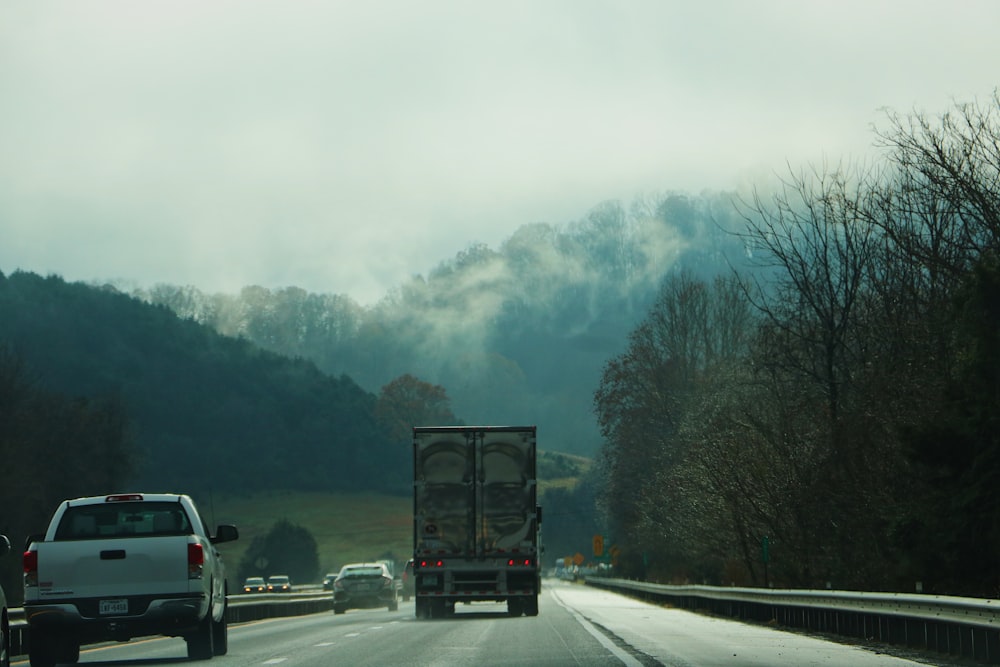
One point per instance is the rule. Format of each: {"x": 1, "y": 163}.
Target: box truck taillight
{"x": 30, "y": 568}
{"x": 517, "y": 562}
{"x": 196, "y": 560}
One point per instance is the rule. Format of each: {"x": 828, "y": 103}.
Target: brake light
{"x": 123, "y": 497}
{"x": 196, "y": 560}
{"x": 512, "y": 562}
{"x": 30, "y": 568}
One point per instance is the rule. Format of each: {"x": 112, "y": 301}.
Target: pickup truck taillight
{"x": 30, "y": 568}
{"x": 196, "y": 560}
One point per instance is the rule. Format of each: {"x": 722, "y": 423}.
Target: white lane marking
{"x": 353, "y": 634}
{"x": 321, "y": 644}
{"x": 274, "y": 661}
{"x": 626, "y": 659}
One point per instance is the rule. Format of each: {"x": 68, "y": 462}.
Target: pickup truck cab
{"x": 122, "y": 566}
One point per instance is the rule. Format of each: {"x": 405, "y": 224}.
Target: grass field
{"x": 347, "y": 527}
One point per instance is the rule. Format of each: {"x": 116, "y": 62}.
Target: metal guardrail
{"x": 958, "y": 626}
{"x": 239, "y": 609}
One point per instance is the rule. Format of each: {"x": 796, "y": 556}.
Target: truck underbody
{"x": 443, "y": 583}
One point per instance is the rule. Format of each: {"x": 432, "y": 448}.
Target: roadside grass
{"x": 348, "y": 528}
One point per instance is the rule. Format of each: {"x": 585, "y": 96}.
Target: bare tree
{"x": 693, "y": 329}
{"x": 823, "y": 252}
{"x": 952, "y": 163}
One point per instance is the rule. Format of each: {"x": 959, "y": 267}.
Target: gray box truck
{"x": 475, "y": 518}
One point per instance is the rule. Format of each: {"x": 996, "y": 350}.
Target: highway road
{"x": 576, "y": 625}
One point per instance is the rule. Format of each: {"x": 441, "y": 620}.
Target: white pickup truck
{"x": 122, "y": 566}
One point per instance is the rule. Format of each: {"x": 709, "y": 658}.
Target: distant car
{"x": 328, "y": 581}
{"x": 408, "y": 582}
{"x": 279, "y": 583}
{"x": 4, "y": 617}
{"x": 364, "y": 586}
{"x": 254, "y": 585}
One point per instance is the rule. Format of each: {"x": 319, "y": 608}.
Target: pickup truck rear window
{"x": 123, "y": 519}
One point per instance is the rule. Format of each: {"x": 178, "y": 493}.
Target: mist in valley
{"x": 515, "y": 334}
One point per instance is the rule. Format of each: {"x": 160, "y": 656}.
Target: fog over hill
{"x": 515, "y": 334}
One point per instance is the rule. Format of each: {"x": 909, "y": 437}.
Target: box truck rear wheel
{"x": 515, "y": 606}
{"x": 531, "y": 605}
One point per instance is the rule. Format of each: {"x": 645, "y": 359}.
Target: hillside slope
{"x": 207, "y": 412}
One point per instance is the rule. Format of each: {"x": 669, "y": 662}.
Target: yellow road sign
{"x": 598, "y": 546}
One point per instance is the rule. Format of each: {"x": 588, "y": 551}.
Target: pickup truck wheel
{"x": 220, "y": 634}
{"x": 4, "y": 641}
{"x": 40, "y": 652}
{"x": 199, "y": 644}
{"x": 68, "y": 651}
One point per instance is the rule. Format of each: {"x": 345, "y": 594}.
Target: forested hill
{"x": 515, "y": 334}
{"x": 204, "y": 412}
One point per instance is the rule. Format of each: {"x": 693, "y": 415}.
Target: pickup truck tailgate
{"x": 113, "y": 567}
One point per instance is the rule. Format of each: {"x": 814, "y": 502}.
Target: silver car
{"x": 364, "y": 586}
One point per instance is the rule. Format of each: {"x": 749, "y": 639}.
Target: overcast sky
{"x": 344, "y": 146}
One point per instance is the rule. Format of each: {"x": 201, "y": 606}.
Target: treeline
{"x": 52, "y": 447}
{"x": 832, "y": 419}
{"x": 517, "y": 334}
{"x": 102, "y": 392}
{"x": 199, "y": 412}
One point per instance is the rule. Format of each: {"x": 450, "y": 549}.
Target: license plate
{"x": 119, "y": 606}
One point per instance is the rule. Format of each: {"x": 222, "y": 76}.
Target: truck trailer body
{"x": 475, "y": 518}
